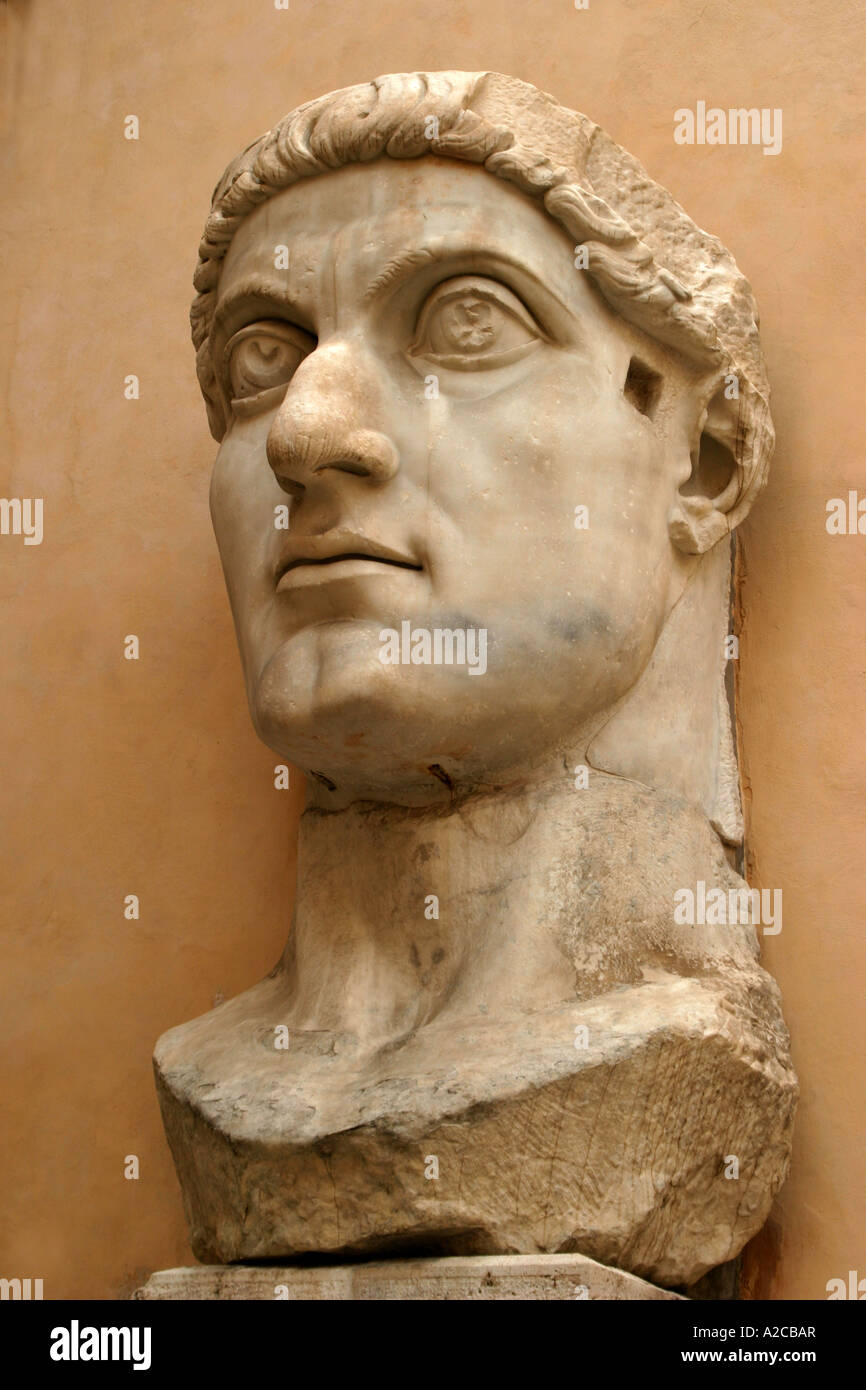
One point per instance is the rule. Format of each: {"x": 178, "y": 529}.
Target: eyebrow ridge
{"x": 262, "y": 287}
{"x": 257, "y": 287}
{"x": 399, "y": 265}
{"x": 447, "y": 250}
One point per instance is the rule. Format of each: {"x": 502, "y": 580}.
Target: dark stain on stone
{"x": 325, "y": 781}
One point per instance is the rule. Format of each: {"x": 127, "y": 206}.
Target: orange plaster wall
{"x": 144, "y": 777}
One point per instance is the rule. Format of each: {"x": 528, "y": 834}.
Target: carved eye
{"x": 471, "y": 323}
{"x": 261, "y": 360}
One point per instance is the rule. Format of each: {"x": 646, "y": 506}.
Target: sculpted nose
{"x": 325, "y": 422}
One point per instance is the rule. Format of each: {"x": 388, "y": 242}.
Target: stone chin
{"x": 326, "y": 702}
{"x": 335, "y": 717}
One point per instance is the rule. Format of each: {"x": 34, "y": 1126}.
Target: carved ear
{"x": 711, "y": 502}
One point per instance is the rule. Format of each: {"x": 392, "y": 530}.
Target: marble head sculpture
{"x": 489, "y": 406}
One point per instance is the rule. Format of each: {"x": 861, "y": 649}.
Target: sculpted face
{"x": 433, "y": 388}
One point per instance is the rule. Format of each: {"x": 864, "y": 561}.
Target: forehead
{"x": 363, "y": 216}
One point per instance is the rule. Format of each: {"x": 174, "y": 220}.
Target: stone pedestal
{"x": 473, "y": 1277}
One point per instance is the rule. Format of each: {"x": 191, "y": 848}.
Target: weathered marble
{"x": 472, "y": 372}
{"x": 535, "y": 1277}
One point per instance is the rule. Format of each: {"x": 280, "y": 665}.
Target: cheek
{"x": 556, "y": 468}
{"x": 243, "y": 494}
{"x": 558, "y": 492}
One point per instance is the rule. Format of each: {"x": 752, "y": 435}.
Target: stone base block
{"x": 473, "y": 1277}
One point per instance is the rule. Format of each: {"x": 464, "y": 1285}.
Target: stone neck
{"x": 505, "y": 903}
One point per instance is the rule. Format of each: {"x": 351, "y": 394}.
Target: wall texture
{"x": 143, "y": 777}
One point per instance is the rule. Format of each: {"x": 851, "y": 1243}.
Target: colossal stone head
{"x": 472, "y": 371}
{"x": 488, "y": 406}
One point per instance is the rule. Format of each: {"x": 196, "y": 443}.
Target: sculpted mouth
{"x": 318, "y": 550}
{"x": 350, "y": 555}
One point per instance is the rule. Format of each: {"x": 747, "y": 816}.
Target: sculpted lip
{"x": 330, "y": 549}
